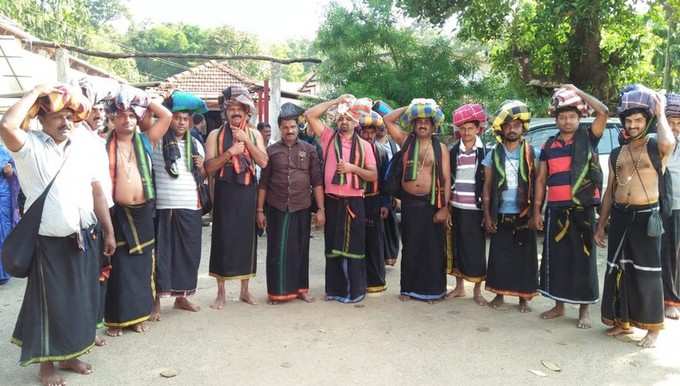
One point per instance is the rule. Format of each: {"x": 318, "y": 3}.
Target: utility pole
{"x": 61, "y": 58}
{"x": 275, "y": 101}
{"x": 670, "y": 19}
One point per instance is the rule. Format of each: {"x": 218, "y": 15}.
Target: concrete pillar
{"x": 275, "y": 101}
{"x": 61, "y": 58}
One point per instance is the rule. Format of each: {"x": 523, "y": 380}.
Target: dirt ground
{"x": 380, "y": 341}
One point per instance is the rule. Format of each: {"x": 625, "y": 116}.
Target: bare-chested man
{"x": 426, "y": 186}
{"x": 231, "y": 155}
{"x": 633, "y": 289}
{"x": 130, "y": 293}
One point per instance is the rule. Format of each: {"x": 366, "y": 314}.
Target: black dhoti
{"x": 513, "y": 260}
{"x": 233, "y": 250}
{"x": 392, "y": 236}
{"x": 569, "y": 265}
{"x": 58, "y": 315}
{"x": 178, "y": 251}
{"x": 670, "y": 260}
{"x": 466, "y": 245}
{"x": 633, "y": 288}
{"x": 345, "y": 240}
{"x": 287, "y": 253}
{"x": 375, "y": 245}
{"x": 130, "y": 293}
{"x": 423, "y": 260}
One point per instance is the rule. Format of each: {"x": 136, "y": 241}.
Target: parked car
{"x": 540, "y": 129}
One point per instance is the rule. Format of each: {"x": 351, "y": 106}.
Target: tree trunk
{"x": 667, "y": 80}
{"x": 587, "y": 69}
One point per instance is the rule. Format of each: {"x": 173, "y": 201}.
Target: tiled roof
{"x": 209, "y": 79}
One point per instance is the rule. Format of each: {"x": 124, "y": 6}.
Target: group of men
{"x": 121, "y": 226}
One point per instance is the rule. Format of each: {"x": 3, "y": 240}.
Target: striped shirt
{"x": 558, "y": 160}
{"x": 463, "y": 196}
{"x": 175, "y": 193}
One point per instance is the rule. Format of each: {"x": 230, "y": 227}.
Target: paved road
{"x": 381, "y": 341}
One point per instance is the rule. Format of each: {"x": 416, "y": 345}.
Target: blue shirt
{"x": 508, "y": 204}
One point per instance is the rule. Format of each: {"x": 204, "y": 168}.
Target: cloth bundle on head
{"x": 290, "y": 111}
{"x": 471, "y": 112}
{"x": 564, "y": 98}
{"x": 129, "y": 98}
{"x": 62, "y": 97}
{"x": 422, "y": 108}
{"x": 187, "y": 102}
{"x": 673, "y": 105}
{"x": 372, "y": 119}
{"x": 239, "y": 94}
{"x": 97, "y": 89}
{"x": 508, "y": 112}
{"x": 635, "y": 98}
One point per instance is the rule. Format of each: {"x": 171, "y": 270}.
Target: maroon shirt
{"x": 290, "y": 175}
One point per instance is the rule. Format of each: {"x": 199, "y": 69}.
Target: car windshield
{"x": 539, "y": 135}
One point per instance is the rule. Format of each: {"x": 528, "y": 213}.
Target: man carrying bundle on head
{"x": 633, "y": 287}
{"x": 130, "y": 293}
{"x": 58, "y": 316}
{"x": 570, "y": 170}
{"x": 349, "y": 165}
{"x": 377, "y": 204}
{"x": 293, "y": 172}
{"x": 178, "y": 168}
{"x": 425, "y": 188}
{"x": 467, "y": 249}
{"x": 390, "y": 147}
{"x": 670, "y": 242}
{"x": 509, "y": 178}
{"x": 231, "y": 155}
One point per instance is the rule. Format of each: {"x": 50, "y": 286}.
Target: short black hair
{"x": 263, "y": 125}
{"x": 567, "y": 108}
{"x": 637, "y": 110}
{"x": 197, "y": 118}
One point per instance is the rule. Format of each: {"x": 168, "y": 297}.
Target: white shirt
{"x": 69, "y": 205}
{"x": 96, "y": 147}
{"x": 175, "y": 193}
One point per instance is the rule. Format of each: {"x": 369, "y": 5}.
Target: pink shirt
{"x": 342, "y": 190}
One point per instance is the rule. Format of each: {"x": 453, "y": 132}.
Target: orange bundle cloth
{"x": 63, "y": 97}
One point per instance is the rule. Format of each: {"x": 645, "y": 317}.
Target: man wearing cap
{"x": 293, "y": 170}
{"x": 425, "y": 190}
{"x": 231, "y": 155}
{"x": 130, "y": 293}
{"x": 63, "y": 274}
{"x": 633, "y": 286}
{"x": 178, "y": 169}
{"x": 670, "y": 242}
{"x": 467, "y": 247}
{"x": 349, "y": 164}
{"x": 377, "y": 204}
{"x": 570, "y": 170}
{"x": 509, "y": 177}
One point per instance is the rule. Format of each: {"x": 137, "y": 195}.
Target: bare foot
{"x": 77, "y": 366}
{"x": 649, "y": 341}
{"x": 672, "y": 313}
{"x": 616, "y": 331}
{"x": 246, "y": 297}
{"x": 524, "y": 306}
{"x": 477, "y": 295}
{"x": 306, "y": 297}
{"x": 390, "y": 262}
{"x": 553, "y": 313}
{"x": 114, "y": 331}
{"x": 584, "y": 317}
{"x": 219, "y": 302}
{"x": 99, "y": 341}
{"x": 404, "y": 298}
{"x": 182, "y": 303}
{"x": 497, "y": 302}
{"x": 48, "y": 375}
{"x": 139, "y": 327}
{"x": 156, "y": 311}
{"x": 458, "y": 292}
